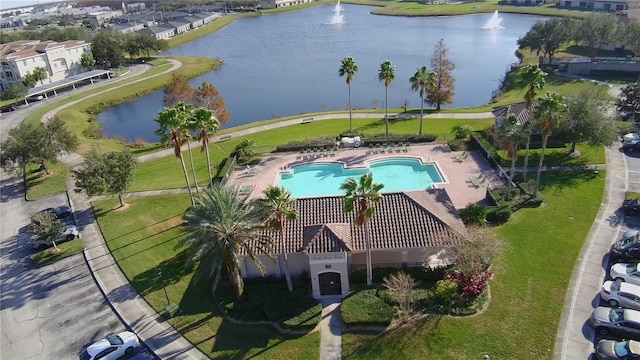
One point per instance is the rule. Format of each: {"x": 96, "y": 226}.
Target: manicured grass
{"x": 65, "y": 249}
{"x": 632, "y": 195}
{"x": 364, "y": 307}
{"x": 147, "y": 174}
{"x": 142, "y": 238}
{"x": 589, "y": 155}
{"x": 40, "y": 185}
{"x": 528, "y": 290}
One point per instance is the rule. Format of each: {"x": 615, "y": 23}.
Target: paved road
{"x": 54, "y": 311}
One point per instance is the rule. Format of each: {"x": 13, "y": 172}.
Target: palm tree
{"x": 423, "y": 80}
{"x": 549, "y": 112}
{"x": 170, "y": 130}
{"x": 204, "y": 120}
{"x": 511, "y": 135}
{"x": 224, "y": 228}
{"x": 349, "y": 68}
{"x": 533, "y": 79}
{"x": 279, "y": 203}
{"x": 186, "y": 113}
{"x": 386, "y": 74}
{"x": 362, "y": 196}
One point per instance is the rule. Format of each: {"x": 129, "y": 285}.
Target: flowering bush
{"x": 470, "y": 286}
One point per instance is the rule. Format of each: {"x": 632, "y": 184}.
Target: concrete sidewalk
{"x": 574, "y": 340}
{"x": 331, "y": 330}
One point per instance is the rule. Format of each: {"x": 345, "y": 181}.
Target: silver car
{"x": 625, "y": 272}
{"x": 70, "y": 232}
{"x": 621, "y": 294}
{"x": 614, "y": 350}
{"x": 624, "y": 322}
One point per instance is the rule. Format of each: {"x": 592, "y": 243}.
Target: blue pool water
{"x": 324, "y": 179}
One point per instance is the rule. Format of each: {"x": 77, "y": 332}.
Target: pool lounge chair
{"x": 477, "y": 180}
{"x": 462, "y": 156}
{"x": 251, "y": 170}
{"x": 245, "y": 189}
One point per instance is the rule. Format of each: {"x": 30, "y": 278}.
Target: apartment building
{"x": 60, "y": 60}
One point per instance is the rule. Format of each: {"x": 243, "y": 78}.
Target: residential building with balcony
{"x": 59, "y": 59}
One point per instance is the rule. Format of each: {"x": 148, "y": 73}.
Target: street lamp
{"x": 145, "y": 67}
{"x": 159, "y": 273}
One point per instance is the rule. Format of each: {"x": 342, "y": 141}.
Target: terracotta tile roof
{"x": 402, "y": 221}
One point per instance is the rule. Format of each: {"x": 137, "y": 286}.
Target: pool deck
{"x": 457, "y": 174}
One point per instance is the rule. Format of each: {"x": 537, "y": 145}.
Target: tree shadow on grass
{"x": 560, "y": 180}
{"x": 173, "y": 270}
{"x": 403, "y": 336}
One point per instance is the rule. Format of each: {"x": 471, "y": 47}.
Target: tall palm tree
{"x": 511, "y": 135}
{"x": 186, "y": 114}
{"x": 533, "y": 79}
{"x": 170, "y": 131}
{"x": 203, "y": 119}
{"x": 225, "y": 227}
{"x": 362, "y": 196}
{"x": 422, "y": 81}
{"x": 549, "y": 114}
{"x": 279, "y": 203}
{"x": 349, "y": 68}
{"x": 386, "y": 74}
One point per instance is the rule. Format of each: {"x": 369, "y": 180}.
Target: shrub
{"x": 425, "y": 274}
{"x": 469, "y": 287}
{"x": 446, "y": 292}
{"x": 500, "y": 215}
{"x": 461, "y": 131}
{"x": 374, "y": 139}
{"x": 400, "y": 288}
{"x": 324, "y": 141}
{"x": 474, "y": 214}
{"x": 534, "y": 202}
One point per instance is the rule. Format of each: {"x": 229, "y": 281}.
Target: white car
{"x": 621, "y": 294}
{"x": 625, "y": 272}
{"x": 111, "y": 348}
{"x": 70, "y": 232}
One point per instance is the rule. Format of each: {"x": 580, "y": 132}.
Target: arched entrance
{"x": 330, "y": 283}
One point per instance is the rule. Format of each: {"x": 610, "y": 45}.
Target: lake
{"x": 287, "y": 63}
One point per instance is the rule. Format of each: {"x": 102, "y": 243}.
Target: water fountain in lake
{"x": 494, "y": 22}
{"x": 337, "y": 15}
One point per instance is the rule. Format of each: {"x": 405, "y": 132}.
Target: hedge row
{"x": 418, "y": 273}
{"x": 368, "y": 139}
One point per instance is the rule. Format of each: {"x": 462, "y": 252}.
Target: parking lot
{"x": 53, "y": 311}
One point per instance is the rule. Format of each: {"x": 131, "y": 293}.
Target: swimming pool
{"x": 324, "y": 179}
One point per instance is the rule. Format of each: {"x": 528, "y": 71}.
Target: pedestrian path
{"x": 331, "y": 330}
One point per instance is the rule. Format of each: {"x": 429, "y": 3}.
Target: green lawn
{"x": 142, "y": 238}
{"x": 527, "y": 293}
{"x": 531, "y": 278}
{"x": 40, "y": 184}
{"x": 65, "y": 249}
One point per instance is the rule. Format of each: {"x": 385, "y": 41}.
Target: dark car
{"x": 61, "y": 212}
{"x": 627, "y": 248}
{"x": 631, "y": 207}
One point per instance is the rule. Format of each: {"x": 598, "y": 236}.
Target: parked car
{"x": 70, "y": 232}
{"x": 631, "y": 142}
{"x": 628, "y": 247}
{"x": 61, "y": 212}
{"x": 614, "y": 350}
{"x": 35, "y": 98}
{"x": 110, "y": 348}
{"x": 624, "y": 322}
{"x": 622, "y": 294}
{"x": 631, "y": 207}
{"x": 625, "y": 272}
